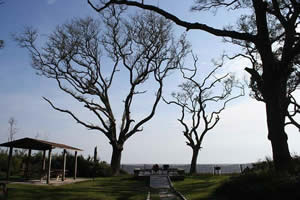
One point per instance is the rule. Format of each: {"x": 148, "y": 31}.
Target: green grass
{"x": 154, "y": 195}
{"x": 110, "y": 188}
{"x": 200, "y": 187}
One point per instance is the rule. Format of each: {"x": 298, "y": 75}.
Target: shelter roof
{"x": 35, "y": 144}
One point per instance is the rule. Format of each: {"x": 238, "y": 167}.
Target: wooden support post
{"x": 44, "y": 161}
{"x": 49, "y": 166}
{"x": 75, "y": 167}
{"x": 43, "y": 165}
{"x": 27, "y": 164}
{"x": 95, "y": 154}
{"x": 64, "y": 166}
{"x": 9, "y": 162}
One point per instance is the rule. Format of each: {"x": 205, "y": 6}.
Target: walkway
{"x": 162, "y": 188}
{"x": 159, "y": 182}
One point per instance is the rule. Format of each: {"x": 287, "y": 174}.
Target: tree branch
{"x": 89, "y": 126}
{"x": 187, "y": 25}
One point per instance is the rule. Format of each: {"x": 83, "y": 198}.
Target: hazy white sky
{"x": 240, "y": 136}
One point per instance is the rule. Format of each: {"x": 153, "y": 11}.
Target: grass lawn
{"x": 111, "y": 188}
{"x": 200, "y": 186}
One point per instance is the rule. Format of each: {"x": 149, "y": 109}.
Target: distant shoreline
{"x": 201, "y": 168}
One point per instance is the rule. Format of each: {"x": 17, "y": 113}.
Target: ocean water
{"x": 201, "y": 168}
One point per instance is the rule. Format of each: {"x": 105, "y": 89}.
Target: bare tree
{"x": 201, "y": 104}
{"x": 143, "y": 47}
{"x": 12, "y": 130}
{"x": 270, "y": 30}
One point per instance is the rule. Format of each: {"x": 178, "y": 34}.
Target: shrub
{"x": 85, "y": 167}
{"x": 262, "y": 182}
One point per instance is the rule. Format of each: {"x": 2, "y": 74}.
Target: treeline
{"x": 86, "y": 167}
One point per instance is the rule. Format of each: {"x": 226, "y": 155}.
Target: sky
{"x": 239, "y": 137}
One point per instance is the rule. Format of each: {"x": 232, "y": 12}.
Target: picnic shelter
{"x": 41, "y": 145}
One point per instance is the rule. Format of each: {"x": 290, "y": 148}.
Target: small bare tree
{"x": 143, "y": 46}
{"x": 12, "y": 130}
{"x": 201, "y": 104}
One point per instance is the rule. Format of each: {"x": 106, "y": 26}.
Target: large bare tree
{"x": 201, "y": 104}
{"x": 85, "y": 62}
{"x": 270, "y": 29}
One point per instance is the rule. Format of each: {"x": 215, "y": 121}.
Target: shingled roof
{"x": 35, "y": 144}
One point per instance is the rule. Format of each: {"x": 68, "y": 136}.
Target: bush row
{"x": 263, "y": 182}
{"x": 86, "y": 167}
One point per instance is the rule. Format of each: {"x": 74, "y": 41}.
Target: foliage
{"x": 3, "y": 159}
{"x": 263, "y": 182}
{"x": 17, "y": 161}
{"x": 85, "y": 166}
{"x": 108, "y": 188}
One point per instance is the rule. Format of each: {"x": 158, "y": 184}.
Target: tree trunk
{"x": 276, "y": 106}
{"x": 193, "y": 168}
{"x": 278, "y": 137}
{"x": 116, "y": 160}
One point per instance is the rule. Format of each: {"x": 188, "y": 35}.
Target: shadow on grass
{"x": 113, "y": 188}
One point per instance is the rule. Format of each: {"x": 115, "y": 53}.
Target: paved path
{"x": 161, "y": 183}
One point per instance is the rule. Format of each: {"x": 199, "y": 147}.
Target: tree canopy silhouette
{"x": 142, "y": 47}
{"x": 268, "y": 33}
